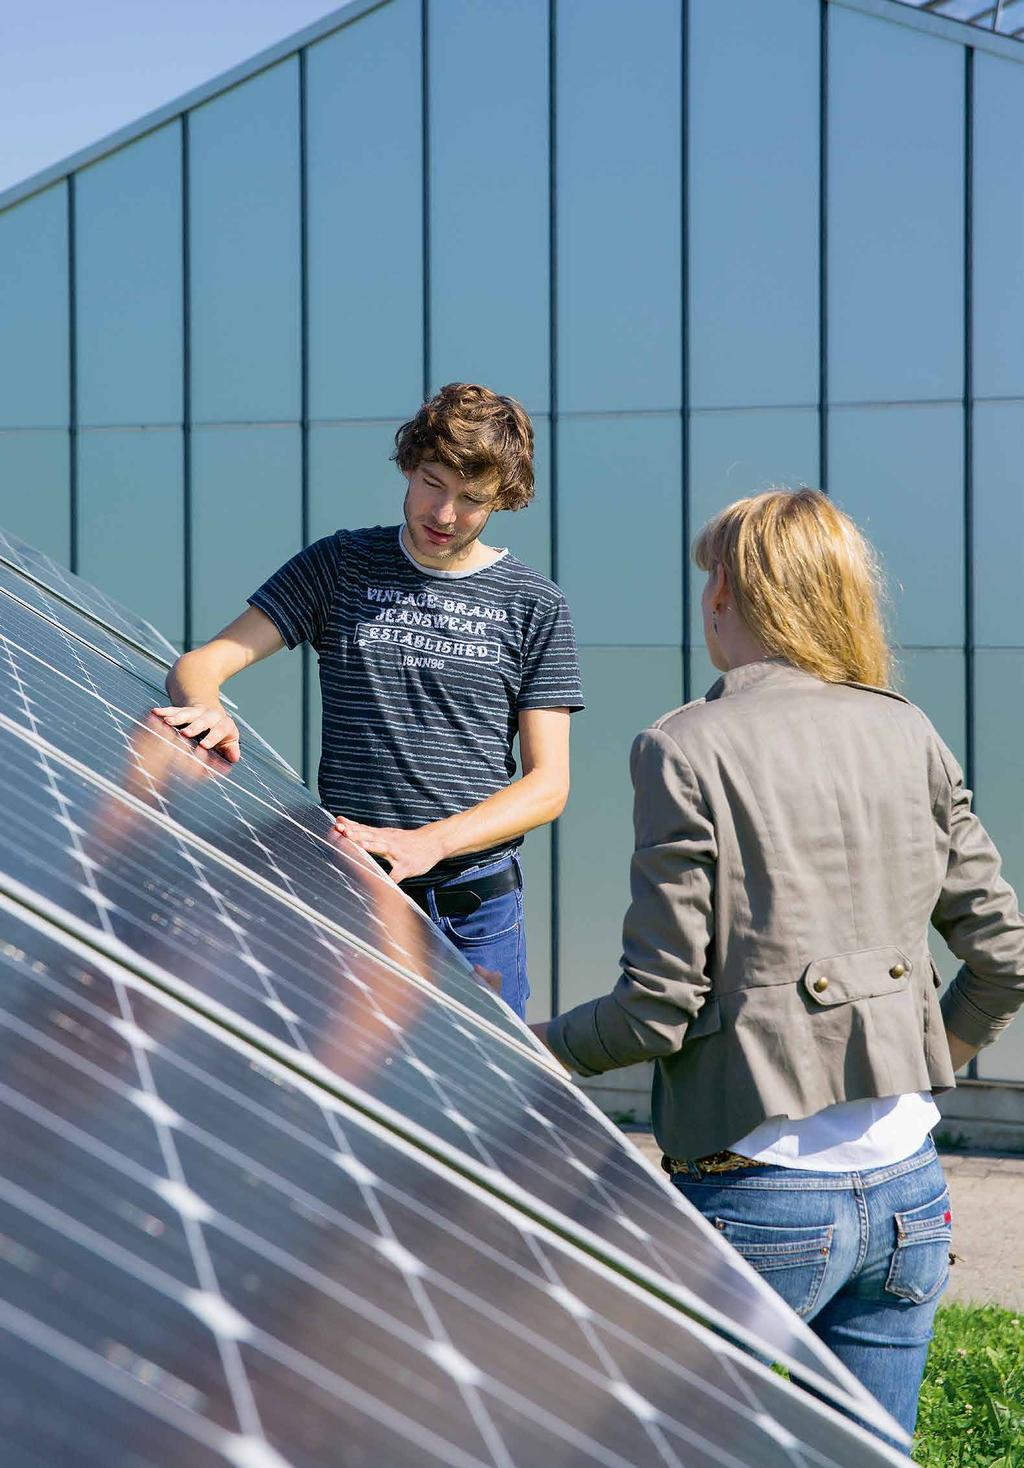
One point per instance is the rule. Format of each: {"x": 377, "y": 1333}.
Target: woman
{"x": 796, "y": 831}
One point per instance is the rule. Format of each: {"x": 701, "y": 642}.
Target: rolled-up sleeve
{"x": 668, "y": 927}
{"x": 979, "y": 917}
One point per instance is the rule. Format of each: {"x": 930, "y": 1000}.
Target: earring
{"x": 714, "y": 623}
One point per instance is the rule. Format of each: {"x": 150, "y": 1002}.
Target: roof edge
{"x": 336, "y": 20}
{"x": 964, "y": 33}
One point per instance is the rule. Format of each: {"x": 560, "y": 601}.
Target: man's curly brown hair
{"x": 477, "y": 433}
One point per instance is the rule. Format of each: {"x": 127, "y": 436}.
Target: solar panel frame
{"x": 503, "y": 1371}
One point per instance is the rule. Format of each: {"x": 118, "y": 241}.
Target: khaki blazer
{"x": 794, "y": 839}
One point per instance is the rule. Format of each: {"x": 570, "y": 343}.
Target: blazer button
{"x": 897, "y": 971}
{"x": 820, "y": 985}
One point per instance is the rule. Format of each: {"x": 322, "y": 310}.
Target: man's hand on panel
{"x": 214, "y": 728}
{"x": 410, "y": 853}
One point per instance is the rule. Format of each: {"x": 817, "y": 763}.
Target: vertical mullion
{"x": 823, "y": 249}
{"x": 556, "y": 942}
{"x": 304, "y": 383}
{"x": 186, "y": 376}
{"x": 72, "y": 379}
{"x": 684, "y": 305}
{"x": 968, "y": 411}
{"x": 425, "y": 143}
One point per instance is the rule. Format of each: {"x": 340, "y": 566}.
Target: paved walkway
{"x": 987, "y": 1196}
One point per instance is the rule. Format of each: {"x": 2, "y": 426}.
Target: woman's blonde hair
{"x": 805, "y": 581}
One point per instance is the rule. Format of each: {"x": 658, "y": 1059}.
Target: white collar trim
{"x": 447, "y": 575}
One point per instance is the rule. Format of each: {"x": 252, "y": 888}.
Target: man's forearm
{"x": 197, "y": 678}
{"x": 530, "y": 802}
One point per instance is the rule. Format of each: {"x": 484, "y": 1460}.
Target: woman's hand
{"x": 959, "y": 1050}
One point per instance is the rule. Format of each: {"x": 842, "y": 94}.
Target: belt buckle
{"x": 720, "y": 1162}
{"x": 726, "y": 1162}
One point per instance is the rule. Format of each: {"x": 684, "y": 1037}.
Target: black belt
{"x": 462, "y": 900}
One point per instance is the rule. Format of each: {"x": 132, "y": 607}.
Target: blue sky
{"x": 72, "y": 71}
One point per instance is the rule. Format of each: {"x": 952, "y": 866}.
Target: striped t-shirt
{"x": 423, "y": 673}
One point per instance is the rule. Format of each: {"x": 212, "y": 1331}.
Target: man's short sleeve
{"x": 298, "y": 597}
{"x": 551, "y": 666}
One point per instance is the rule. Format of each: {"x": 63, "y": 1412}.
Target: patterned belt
{"x": 714, "y": 1162}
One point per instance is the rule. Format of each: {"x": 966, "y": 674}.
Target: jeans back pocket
{"x": 791, "y": 1260}
{"x": 920, "y": 1257}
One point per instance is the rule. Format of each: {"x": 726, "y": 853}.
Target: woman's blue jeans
{"x": 495, "y": 934}
{"x": 863, "y": 1257}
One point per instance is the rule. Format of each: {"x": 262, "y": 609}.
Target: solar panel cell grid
{"x": 219, "y": 1264}
{"x": 49, "y": 573}
{"x": 145, "y": 668}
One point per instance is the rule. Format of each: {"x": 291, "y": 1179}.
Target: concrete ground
{"x": 987, "y": 1198}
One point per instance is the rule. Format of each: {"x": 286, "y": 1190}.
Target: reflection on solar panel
{"x": 282, "y": 1184}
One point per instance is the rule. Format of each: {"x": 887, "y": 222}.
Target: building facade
{"x": 711, "y": 246}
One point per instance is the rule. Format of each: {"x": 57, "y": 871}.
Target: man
{"x": 435, "y": 652}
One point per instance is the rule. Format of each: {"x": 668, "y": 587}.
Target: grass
{"x": 971, "y": 1413}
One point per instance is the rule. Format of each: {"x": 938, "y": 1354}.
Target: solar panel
{"x": 85, "y": 597}
{"x": 205, "y": 1259}
{"x": 139, "y": 890}
{"x": 225, "y": 887}
{"x": 145, "y": 667}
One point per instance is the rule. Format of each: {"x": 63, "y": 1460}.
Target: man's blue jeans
{"x": 862, "y": 1256}
{"x": 493, "y": 936}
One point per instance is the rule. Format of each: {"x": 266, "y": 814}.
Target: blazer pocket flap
{"x": 706, "y": 1021}
{"x": 861, "y": 975}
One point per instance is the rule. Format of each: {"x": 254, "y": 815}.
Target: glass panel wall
{"x": 998, "y": 493}
{"x": 128, "y": 213}
{"x": 489, "y": 287}
{"x": 737, "y": 453}
{"x": 352, "y": 480}
{"x": 899, "y": 473}
{"x": 35, "y": 495}
{"x": 365, "y": 202}
{"x": 244, "y": 251}
{"x": 620, "y": 528}
{"x": 235, "y": 548}
{"x": 34, "y": 368}
{"x": 619, "y": 205}
{"x": 895, "y": 215}
{"x": 131, "y": 535}
{"x": 997, "y": 241}
{"x": 753, "y": 206}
